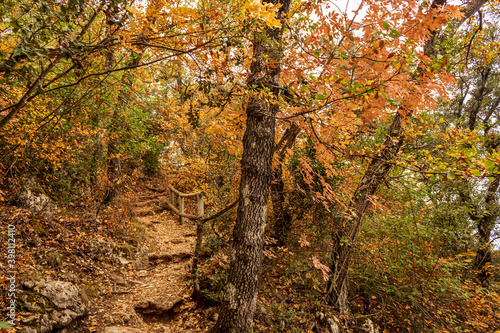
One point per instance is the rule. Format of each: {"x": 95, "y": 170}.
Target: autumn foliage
{"x": 94, "y": 94}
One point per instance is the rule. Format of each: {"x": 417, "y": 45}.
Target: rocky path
{"x": 151, "y": 294}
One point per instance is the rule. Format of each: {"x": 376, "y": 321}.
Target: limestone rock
{"x": 159, "y": 305}
{"x": 369, "y": 327}
{"x": 64, "y": 295}
{"x": 34, "y": 198}
{"x": 327, "y": 324}
{"x": 27, "y": 330}
{"x": 45, "y": 324}
{"x": 56, "y": 305}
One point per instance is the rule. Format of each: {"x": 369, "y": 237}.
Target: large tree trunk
{"x": 240, "y": 295}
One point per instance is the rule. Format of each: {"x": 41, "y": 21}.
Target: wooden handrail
{"x": 200, "y": 221}
{"x": 176, "y": 211}
{"x": 180, "y": 212}
{"x": 185, "y": 195}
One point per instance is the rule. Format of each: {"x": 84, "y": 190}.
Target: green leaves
{"x": 476, "y": 172}
{"x": 394, "y": 34}
{"x": 5, "y": 325}
{"x": 490, "y": 166}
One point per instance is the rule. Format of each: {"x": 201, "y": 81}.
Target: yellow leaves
{"x": 264, "y": 12}
{"x": 154, "y": 7}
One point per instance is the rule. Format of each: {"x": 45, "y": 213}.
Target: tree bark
{"x": 485, "y": 223}
{"x": 240, "y": 295}
{"x": 348, "y": 227}
{"x": 282, "y": 216}
{"x": 485, "y": 216}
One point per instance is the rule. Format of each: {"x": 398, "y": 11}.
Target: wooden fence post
{"x": 181, "y": 208}
{"x": 201, "y": 208}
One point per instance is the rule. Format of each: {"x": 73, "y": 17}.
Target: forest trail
{"x": 152, "y": 294}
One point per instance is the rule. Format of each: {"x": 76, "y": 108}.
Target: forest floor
{"x": 131, "y": 263}
{"x": 154, "y": 296}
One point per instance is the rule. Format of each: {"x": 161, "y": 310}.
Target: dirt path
{"x": 151, "y": 293}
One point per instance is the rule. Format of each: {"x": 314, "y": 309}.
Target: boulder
{"x": 33, "y": 197}
{"x": 53, "y": 304}
{"x": 64, "y": 295}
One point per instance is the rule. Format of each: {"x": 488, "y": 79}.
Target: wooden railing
{"x": 200, "y": 221}
{"x": 180, "y": 211}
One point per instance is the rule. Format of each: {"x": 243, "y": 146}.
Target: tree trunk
{"x": 282, "y": 216}
{"x": 344, "y": 237}
{"x": 240, "y": 295}
{"x": 114, "y": 162}
{"x": 485, "y": 221}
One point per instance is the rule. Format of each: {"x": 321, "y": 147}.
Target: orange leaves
{"x": 262, "y": 11}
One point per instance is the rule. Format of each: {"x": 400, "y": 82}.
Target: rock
{"x": 57, "y": 305}
{"x": 165, "y": 257}
{"x": 29, "y": 284}
{"x": 33, "y": 197}
{"x": 118, "y": 329}
{"x": 30, "y": 321}
{"x": 64, "y": 295}
{"x": 162, "y": 203}
{"x": 369, "y": 327}
{"x": 34, "y": 308}
{"x": 159, "y": 305}
{"x": 327, "y": 324}
{"x": 123, "y": 261}
{"x": 64, "y": 317}
{"x": 27, "y": 330}
{"x": 45, "y": 324}
{"x": 141, "y": 260}
{"x": 151, "y": 227}
{"x": 142, "y": 273}
{"x": 143, "y": 212}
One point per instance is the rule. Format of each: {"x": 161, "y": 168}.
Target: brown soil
{"x": 143, "y": 285}
{"x": 164, "y": 279}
